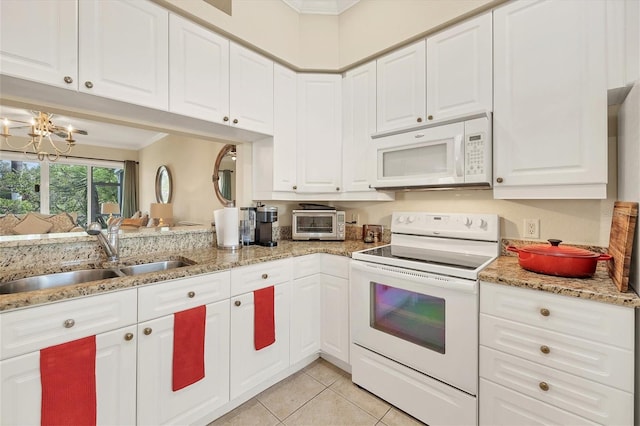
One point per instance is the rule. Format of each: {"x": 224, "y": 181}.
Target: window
{"x": 69, "y": 185}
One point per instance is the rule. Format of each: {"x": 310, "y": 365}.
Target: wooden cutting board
{"x": 623, "y": 225}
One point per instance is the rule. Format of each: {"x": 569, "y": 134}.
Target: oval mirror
{"x": 223, "y": 176}
{"x": 164, "y": 185}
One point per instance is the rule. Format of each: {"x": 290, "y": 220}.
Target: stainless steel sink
{"x": 41, "y": 282}
{"x": 153, "y": 267}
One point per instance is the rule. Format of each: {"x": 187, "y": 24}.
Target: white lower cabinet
{"x": 157, "y": 402}
{"x": 334, "y": 299}
{"x": 21, "y": 391}
{"x": 539, "y": 364}
{"x": 251, "y": 367}
{"x": 305, "y": 317}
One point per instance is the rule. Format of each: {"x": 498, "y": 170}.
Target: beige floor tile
{"x": 396, "y": 417}
{"x": 251, "y": 413}
{"x": 329, "y": 408}
{"x": 324, "y": 372}
{"x": 290, "y": 394}
{"x": 363, "y": 399}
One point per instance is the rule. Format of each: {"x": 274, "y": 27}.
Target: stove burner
{"x": 435, "y": 257}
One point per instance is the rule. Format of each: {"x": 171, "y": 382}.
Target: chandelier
{"x": 44, "y": 136}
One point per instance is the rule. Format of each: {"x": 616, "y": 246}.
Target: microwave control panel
{"x": 477, "y": 151}
{"x": 340, "y": 225}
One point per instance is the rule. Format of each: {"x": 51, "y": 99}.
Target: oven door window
{"x": 414, "y": 317}
{"x": 314, "y": 224}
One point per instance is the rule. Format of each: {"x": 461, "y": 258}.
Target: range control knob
{"x": 483, "y": 224}
{"x": 410, "y": 219}
{"x": 468, "y": 222}
{"x": 401, "y": 219}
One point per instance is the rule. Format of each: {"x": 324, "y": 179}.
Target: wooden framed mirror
{"x": 224, "y": 175}
{"x": 164, "y": 185}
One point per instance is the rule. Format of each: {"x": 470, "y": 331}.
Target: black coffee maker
{"x": 267, "y": 226}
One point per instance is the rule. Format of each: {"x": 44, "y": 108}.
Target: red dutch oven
{"x": 565, "y": 261}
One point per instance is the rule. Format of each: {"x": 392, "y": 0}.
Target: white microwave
{"x": 452, "y": 155}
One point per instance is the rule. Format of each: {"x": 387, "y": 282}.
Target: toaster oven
{"x": 323, "y": 225}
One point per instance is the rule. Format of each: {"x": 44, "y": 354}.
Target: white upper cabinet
{"x": 359, "y": 123}
{"x": 459, "y": 69}
{"x": 39, "y": 41}
{"x": 401, "y": 94}
{"x": 285, "y": 116}
{"x": 198, "y": 71}
{"x": 319, "y": 133}
{"x": 623, "y": 47}
{"x": 251, "y": 87}
{"x": 124, "y": 51}
{"x": 550, "y": 100}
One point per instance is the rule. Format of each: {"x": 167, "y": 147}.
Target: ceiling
{"x": 99, "y": 134}
{"x": 320, "y": 7}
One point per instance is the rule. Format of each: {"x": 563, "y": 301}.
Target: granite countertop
{"x": 506, "y": 270}
{"x": 204, "y": 261}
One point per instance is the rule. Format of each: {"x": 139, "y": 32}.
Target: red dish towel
{"x": 188, "y": 346}
{"x": 68, "y": 379}
{"x": 264, "y": 324}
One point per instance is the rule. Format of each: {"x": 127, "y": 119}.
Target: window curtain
{"x": 225, "y": 187}
{"x": 129, "y": 189}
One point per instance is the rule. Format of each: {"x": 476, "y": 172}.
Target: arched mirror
{"x": 224, "y": 181}
{"x": 164, "y": 185}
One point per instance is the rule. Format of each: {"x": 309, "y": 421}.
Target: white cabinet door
{"x": 319, "y": 133}
{"x": 401, "y": 87}
{"x": 157, "y": 402}
{"x": 198, "y": 71}
{"x": 285, "y": 116}
{"x": 359, "y": 123}
{"x": 21, "y": 391}
{"x": 459, "y": 69}
{"x": 305, "y": 317}
{"x": 335, "y": 317}
{"x": 550, "y": 100}
{"x": 251, "y": 87}
{"x": 39, "y": 41}
{"x": 124, "y": 51}
{"x": 250, "y": 368}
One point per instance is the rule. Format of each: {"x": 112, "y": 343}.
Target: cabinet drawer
{"x": 337, "y": 266}
{"x": 249, "y": 278}
{"x": 39, "y": 327}
{"x": 500, "y": 406}
{"x": 595, "y": 361}
{"x": 594, "y": 401}
{"x": 303, "y": 266}
{"x": 591, "y": 320}
{"x": 178, "y": 295}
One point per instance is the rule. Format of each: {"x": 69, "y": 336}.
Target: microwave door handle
{"x": 459, "y": 155}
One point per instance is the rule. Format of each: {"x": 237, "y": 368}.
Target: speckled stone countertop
{"x": 203, "y": 261}
{"x": 506, "y": 270}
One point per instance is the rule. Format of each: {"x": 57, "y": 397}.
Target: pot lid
{"x": 555, "y": 250}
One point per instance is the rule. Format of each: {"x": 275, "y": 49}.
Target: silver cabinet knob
{"x": 191, "y": 294}
{"x": 68, "y": 79}
{"x": 225, "y": 119}
{"x": 237, "y": 303}
{"x": 69, "y": 323}
{"x": 265, "y": 276}
{"x": 499, "y": 180}
{"x": 88, "y": 84}
{"x": 544, "y": 386}
{"x": 128, "y": 336}
{"x": 545, "y": 312}
{"x": 545, "y": 349}
{"x": 419, "y": 119}
{"x": 429, "y": 117}
{"x": 295, "y": 187}
{"x": 337, "y": 188}
{"x": 235, "y": 121}
{"x": 147, "y": 331}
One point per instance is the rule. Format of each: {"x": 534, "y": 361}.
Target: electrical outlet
{"x": 352, "y": 218}
{"x": 532, "y": 228}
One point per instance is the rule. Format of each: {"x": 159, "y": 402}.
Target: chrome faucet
{"x": 109, "y": 243}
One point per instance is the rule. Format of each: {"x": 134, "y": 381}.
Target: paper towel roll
{"x": 227, "y": 233}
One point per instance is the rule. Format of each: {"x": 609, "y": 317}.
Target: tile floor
{"x": 320, "y": 394}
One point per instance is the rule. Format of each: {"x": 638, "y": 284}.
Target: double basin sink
{"x": 41, "y": 282}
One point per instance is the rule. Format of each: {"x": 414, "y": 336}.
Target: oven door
{"x": 427, "y": 322}
{"x": 433, "y": 156}
{"x": 314, "y": 226}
